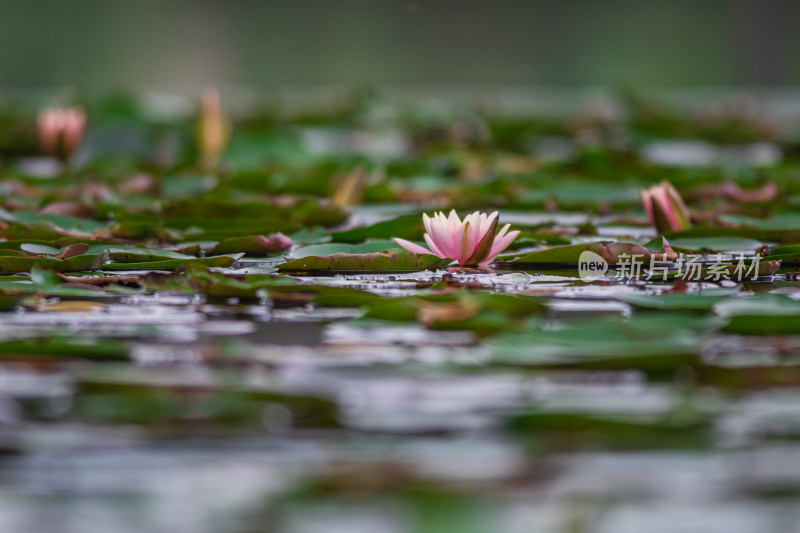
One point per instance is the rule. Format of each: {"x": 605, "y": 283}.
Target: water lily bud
{"x": 60, "y": 131}
{"x": 665, "y": 208}
{"x": 212, "y": 131}
{"x": 349, "y": 189}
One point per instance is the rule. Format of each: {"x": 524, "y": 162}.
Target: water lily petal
{"x": 411, "y": 247}
{"x": 502, "y": 232}
{"x": 453, "y": 222}
{"x": 663, "y": 206}
{"x": 443, "y": 239}
{"x": 426, "y": 221}
{"x": 484, "y": 246}
{"x": 463, "y": 245}
{"x": 647, "y": 202}
{"x": 678, "y": 208}
{"x": 500, "y": 245}
{"x": 489, "y": 222}
{"x": 432, "y": 245}
{"x": 441, "y": 220}
{"x": 474, "y": 230}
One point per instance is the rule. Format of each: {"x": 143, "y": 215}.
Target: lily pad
{"x": 73, "y": 264}
{"x": 700, "y": 301}
{"x": 172, "y": 264}
{"x": 558, "y": 255}
{"x": 404, "y": 227}
{"x": 714, "y": 244}
{"x": 770, "y": 314}
{"x": 395, "y": 259}
{"x": 336, "y": 248}
{"x": 252, "y": 245}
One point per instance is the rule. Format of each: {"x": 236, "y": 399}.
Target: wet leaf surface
{"x": 394, "y": 259}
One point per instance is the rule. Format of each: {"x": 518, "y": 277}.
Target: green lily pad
{"x": 567, "y": 255}
{"x": 73, "y": 264}
{"x": 745, "y": 232}
{"x": 658, "y": 342}
{"x": 699, "y": 301}
{"x": 404, "y": 227}
{"x": 127, "y": 395}
{"x": 337, "y": 248}
{"x": 769, "y": 314}
{"x": 714, "y": 244}
{"x": 172, "y": 264}
{"x": 669, "y": 430}
{"x": 787, "y": 254}
{"x": 570, "y": 254}
{"x": 199, "y": 278}
{"x": 395, "y": 259}
{"x": 64, "y": 348}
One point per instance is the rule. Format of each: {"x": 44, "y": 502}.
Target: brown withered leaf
{"x": 74, "y": 209}
{"x": 140, "y": 184}
{"x": 71, "y": 306}
{"x": 431, "y": 313}
{"x": 731, "y": 191}
{"x": 72, "y": 250}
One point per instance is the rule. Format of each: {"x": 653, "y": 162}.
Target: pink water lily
{"x": 665, "y": 208}
{"x": 473, "y": 241}
{"x": 60, "y": 130}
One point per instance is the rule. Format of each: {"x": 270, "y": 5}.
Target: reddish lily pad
{"x": 253, "y": 244}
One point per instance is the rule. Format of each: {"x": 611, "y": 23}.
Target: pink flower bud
{"x": 665, "y": 208}
{"x": 212, "y": 129}
{"x": 60, "y": 130}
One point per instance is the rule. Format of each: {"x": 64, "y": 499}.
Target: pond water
{"x": 169, "y": 363}
{"x": 430, "y": 426}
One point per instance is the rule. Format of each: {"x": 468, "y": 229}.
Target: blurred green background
{"x": 179, "y": 45}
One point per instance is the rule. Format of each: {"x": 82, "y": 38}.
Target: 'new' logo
{"x": 591, "y": 266}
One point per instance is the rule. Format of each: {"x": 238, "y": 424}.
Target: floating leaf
{"x": 699, "y": 301}
{"x": 570, "y": 255}
{"x": 770, "y": 314}
{"x": 714, "y": 244}
{"x": 253, "y": 245}
{"x": 335, "y": 248}
{"x": 405, "y": 227}
{"x": 172, "y": 264}
{"x": 64, "y": 348}
{"x": 73, "y": 264}
{"x": 558, "y": 255}
{"x": 394, "y": 259}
